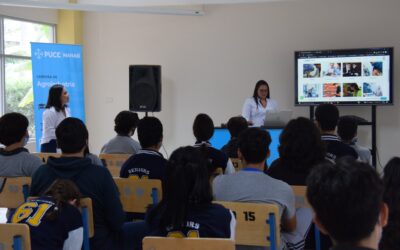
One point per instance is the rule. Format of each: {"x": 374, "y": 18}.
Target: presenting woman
{"x": 56, "y": 111}
{"x": 254, "y": 108}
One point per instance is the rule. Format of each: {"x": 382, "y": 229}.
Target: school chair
{"x": 300, "y": 193}
{"x": 114, "y": 162}
{"x": 15, "y": 237}
{"x": 137, "y": 194}
{"x": 14, "y": 191}
{"x": 45, "y": 156}
{"x": 169, "y": 243}
{"x": 257, "y": 224}
{"x": 237, "y": 163}
{"x": 87, "y": 220}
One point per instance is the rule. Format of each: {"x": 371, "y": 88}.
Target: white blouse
{"x": 51, "y": 119}
{"x": 255, "y": 113}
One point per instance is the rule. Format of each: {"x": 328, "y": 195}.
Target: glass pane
{"x": 19, "y": 92}
{"x": 19, "y": 34}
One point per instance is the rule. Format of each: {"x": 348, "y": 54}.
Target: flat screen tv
{"x": 344, "y": 77}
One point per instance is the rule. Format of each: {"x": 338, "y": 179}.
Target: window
{"x": 16, "y": 93}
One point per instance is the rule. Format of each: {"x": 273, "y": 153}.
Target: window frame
{"x": 4, "y": 56}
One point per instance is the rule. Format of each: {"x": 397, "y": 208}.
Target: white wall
{"x": 32, "y": 14}
{"x": 211, "y": 63}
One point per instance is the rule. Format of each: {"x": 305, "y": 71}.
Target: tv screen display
{"x": 346, "y": 77}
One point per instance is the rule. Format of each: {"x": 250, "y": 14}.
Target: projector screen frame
{"x": 390, "y": 51}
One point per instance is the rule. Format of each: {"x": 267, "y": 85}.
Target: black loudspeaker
{"x": 145, "y": 88}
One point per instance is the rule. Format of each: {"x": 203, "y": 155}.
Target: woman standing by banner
{"x": 56, "y": 111}
{"x": 255, "y": 107}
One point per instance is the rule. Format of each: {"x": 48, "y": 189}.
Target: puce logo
{"x": 47, "y": 54}
{"x": 38, "y": 53}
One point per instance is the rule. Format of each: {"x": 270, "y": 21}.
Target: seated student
{"x": 251, "y": 185}
{"x": 203, "y": 130}
{"x": 347, "y": 199}
{"x": 327, "y": 116}
{"x": 15, "y": 160}
{"x": 93, "y": 158}
{"x": 347, "y": 131}
{"x": 186, "y": 209}
{"x": 93, "y": 182}
{"x": 122, "y": 143}
{"x": 300, "y": 148}
{"x": 235, "y": 126}
{"x": 148, "y": 162}
{"x": 60, "y": 223}
{"x": 391, "y": 196}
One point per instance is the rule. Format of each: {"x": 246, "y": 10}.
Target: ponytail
{"x": 62, "y": 191}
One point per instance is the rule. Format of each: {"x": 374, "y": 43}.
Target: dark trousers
{"x": 49, "y": 147}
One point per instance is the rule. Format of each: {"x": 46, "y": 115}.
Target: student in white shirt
{"x": 56, "y": 111}
{"x": 254, "y": 108}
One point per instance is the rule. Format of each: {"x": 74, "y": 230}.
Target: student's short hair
{"x": 327, "y": 116}
{"x": 347, "y": 199}
{"x": 13, "y": 127}
{"x": 203, "y": 127}
{"x": 125, "y": 122}
{"x": 150, "y": 131}
{"x": 72, "y": 135}
{"x": 254, "y": 144}
{"x": 236, "y": 125}
{"x": 347, "y": 128}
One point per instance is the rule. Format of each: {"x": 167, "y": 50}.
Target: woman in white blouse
{"x": 56, "y": 111}
{"x": 254, "y": 108}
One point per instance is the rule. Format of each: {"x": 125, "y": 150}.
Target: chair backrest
{"x": 237, "y": 163}
{"x": 87, "y": 220}
{"x": 14, "y": 237}
{"x": 45, "y": 156}
{"x": 257, "y": 224}
{"x": 114, "y": 162}
{"x": 164, "y": 243}
{"x": 300, "y": 193}
{"x": 14, "y": 191}
{"x": 137, "y": 194}
{"x": 301, "y": 197}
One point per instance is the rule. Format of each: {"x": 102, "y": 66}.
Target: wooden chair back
{"x": 237, "y": 163}
{"x": 257, "y": 224}
{"x": 87, "y": 220}
{"x": 45, "y": 156}
{"x": 300, "y": 196}
{"x": 114, "y": 162}
{"x": 14, "y": 191}
{"x": 137, "y": 194}
{"x": 15, "y": 237}
{"x": 164, "y": 243}
{"x": 300, "y": 193}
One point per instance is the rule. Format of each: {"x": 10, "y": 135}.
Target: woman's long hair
{"x": 54, "y": 99}
{"x": 186, "y": 185}
{"x": 62, "y": 191}
{"x": 258, "y": 85}
{"x": 391, "y": 179}
{"x": 300, "y": 145}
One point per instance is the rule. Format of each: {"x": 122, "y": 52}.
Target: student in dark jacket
{"x": 203, "y": 130}
{"x": 93, "y": 182}
{"x": 235, "y": 126}
{"x": 147, "y": 163}
{"x": 327, "y": 117}
{"x": 300, "y": 149}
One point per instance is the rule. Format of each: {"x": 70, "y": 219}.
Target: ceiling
{"x": 175, "y": 7}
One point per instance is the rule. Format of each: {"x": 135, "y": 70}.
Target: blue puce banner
{"x": 56, "y": 64}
